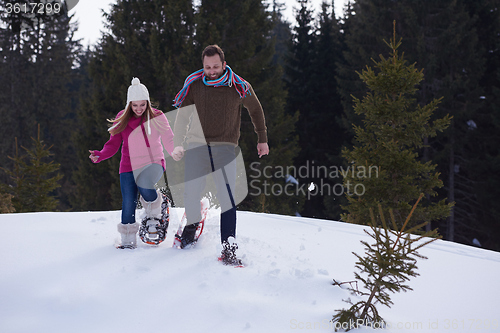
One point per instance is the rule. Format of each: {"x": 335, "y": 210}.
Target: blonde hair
{"x": 119, "y": 123}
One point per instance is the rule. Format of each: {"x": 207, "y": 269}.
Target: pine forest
{"x": 349, "y": 129}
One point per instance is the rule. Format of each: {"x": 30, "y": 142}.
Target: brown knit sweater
{"x": 219, "y": 112}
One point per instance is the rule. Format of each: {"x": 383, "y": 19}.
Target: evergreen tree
{"x": 33, "y": 182}
{"x": 362, "y": 26}
{"x": 325, "y": 106}
{"x": 243, "y": 29}
{"x": 386, "y": 267}
{"x": 384, "y": 164}
{"x": 282, "y": 34}
{"x": 300, "y": 63}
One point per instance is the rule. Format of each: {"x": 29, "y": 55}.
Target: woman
{"x": 142, "y": 130}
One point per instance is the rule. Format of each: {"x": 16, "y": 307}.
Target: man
{"x": 218, "y": 95}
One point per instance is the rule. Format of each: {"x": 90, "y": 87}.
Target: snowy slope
{"x": 60, "y": 272}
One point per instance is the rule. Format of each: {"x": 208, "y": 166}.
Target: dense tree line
{"x": 455, "y": 42}
{"x": 304, "y": 73}
{"x": 38, "y": 86}
{"x": 311, "y": 69}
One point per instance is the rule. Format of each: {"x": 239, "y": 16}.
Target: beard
{"x": 216, "y": 76}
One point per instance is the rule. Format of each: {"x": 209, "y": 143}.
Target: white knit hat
{"x": 137, "y": 92}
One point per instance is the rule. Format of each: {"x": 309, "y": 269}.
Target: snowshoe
{"x": 189, "y": 235}
{"x": 228, "y": 255}
{"x": 153, "y": 230}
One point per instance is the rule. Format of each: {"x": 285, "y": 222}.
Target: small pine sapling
{"x": 386, "y": 267}
{"x": 33, "y": 180}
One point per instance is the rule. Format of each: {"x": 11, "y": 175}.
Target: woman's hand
{"x": 93, "y": 156}
{"x": 178, "y": 153}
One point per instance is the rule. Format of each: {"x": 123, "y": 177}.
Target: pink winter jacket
{"x": 135, "y": 152}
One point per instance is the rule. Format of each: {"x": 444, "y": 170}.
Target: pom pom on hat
{"x": 137, "y": 92}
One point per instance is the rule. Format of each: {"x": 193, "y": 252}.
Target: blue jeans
{"x": 130, "y": 189}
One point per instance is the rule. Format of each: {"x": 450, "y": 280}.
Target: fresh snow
{"x": 60, "y": 272}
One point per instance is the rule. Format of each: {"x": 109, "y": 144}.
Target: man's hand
{"x": 178, "y": 153}
{"x": 262, "y": 149}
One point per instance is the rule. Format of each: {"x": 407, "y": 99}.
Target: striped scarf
{"x": 227, "y": 79}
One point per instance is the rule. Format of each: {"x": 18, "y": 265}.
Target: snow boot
{"x": 128, "y": 234}
{"x": 228, "y": 255}
{"x": 152, "y": 210}
{"x": 188, "y": 234}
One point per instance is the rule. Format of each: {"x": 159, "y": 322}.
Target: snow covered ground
{"x": 60, "y": 272}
